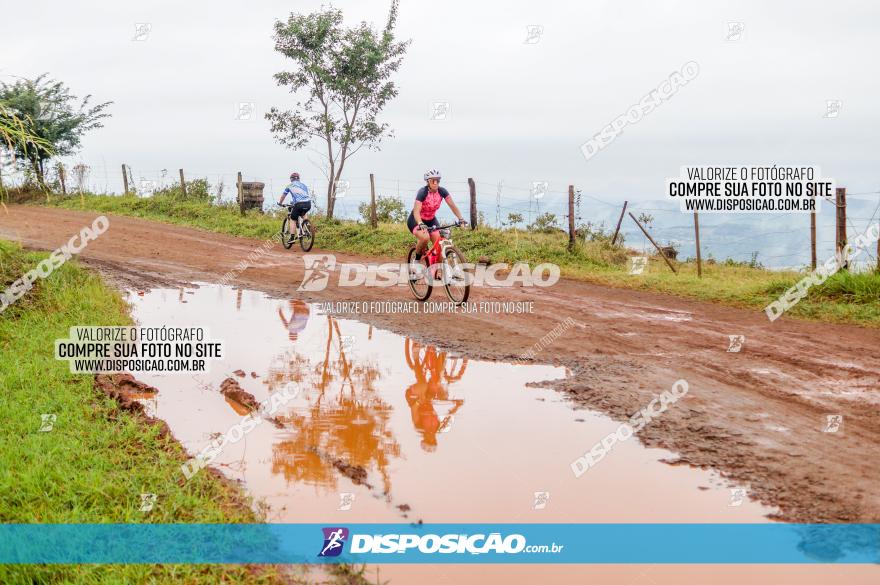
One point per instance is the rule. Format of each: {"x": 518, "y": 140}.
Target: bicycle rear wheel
{"x": 307, "y": 239}
{"x": 419, "y": 283}
{"x": 285, "y": 233}
{"x": 457, "y": 278}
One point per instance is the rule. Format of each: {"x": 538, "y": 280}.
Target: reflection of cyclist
{"x": 299, "y": 318}
{"x": 299, "y": 196}
{"x": 428, "y": 201}
{"x": 429, "y": 388}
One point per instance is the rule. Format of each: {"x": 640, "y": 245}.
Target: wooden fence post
{"x": 374, "y": 221}
{"x": 619, "y": 221}
{"x": 659, "y": 251}
{"x": 813, "y": 239}
{"x": 697, "y": 237}
{"x": 61, "y": 176}
{"x": 124, "y": 180}
{"x": 240, "y": 195}
{"x": 182, "y": 184}
{"x": 473, "y": 188}
{"x": 571, "y": 218}
{"x": 840, "y": 198}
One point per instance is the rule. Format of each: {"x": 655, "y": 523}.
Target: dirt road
{"x": 758, "y": 416}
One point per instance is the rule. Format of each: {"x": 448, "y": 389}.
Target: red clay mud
{"x": 757, "y": 416}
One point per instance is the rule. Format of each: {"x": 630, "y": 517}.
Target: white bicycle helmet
{"x": 432, "y": 174}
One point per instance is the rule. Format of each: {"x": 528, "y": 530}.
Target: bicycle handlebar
{"x": 441, "y": 227}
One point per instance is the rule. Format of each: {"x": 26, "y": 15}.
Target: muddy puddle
{"x": 386, "y": 429}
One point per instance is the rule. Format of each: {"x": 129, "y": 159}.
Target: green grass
{"x": 97, "y": 460}
{"x": 846, "y": 298}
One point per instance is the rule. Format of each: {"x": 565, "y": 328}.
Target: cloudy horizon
{"x": 521, "y": 99}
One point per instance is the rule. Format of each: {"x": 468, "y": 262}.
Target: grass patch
{"x": 845, "y": 298}
{"x": 97, "y": 459}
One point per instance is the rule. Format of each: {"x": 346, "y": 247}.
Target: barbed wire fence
{"x": 505, "y": 205}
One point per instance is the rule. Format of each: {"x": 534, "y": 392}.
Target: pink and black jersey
{"x": 431, "y": 201}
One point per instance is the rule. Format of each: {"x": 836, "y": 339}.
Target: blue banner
{"x": 442, "y": 543}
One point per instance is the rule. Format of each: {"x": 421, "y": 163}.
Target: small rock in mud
{"x": 279, "y": 424}
{"x": 404, "y": 508}
{"x": 124, "y": 389}
{"x": 239, "y": 373}
{"x": 230, "y": 389}
{"x": 132, "y": 386}
{"x": 355, "y": 473}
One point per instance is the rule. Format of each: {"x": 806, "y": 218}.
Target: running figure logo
{"x": 736, "y": 343}
{"x": 318, "y": 269}
{"x": 334, "y": 541}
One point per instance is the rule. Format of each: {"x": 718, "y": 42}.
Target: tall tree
{"x": 53, "y": 115}
{"x": 341, "y": 82}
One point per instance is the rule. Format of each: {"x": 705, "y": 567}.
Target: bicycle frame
{"x": 438, "y": 251}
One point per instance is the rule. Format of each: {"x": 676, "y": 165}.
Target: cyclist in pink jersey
{"x": 428, "y": 201}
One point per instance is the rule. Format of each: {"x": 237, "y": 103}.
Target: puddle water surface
{"x": 386, "y": 429}
{"x": 440, "y": 437}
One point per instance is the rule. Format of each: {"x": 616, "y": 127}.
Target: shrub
{"x": 590, "y": 232}
{"x": 388, "y": 210}
{"x": 545, "y": 223}
{"x": 196, "y": 190}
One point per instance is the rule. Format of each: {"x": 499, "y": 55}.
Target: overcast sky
{"x": 519, "y": 110}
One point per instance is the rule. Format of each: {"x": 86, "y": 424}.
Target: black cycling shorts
{"x": 411, "y": 222}
{"x": 300, "y": 209}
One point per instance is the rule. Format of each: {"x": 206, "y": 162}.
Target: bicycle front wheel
{"x": 458, "y": 277}
{"x": 286, "y": 241}
{"x": 419, "y": 283}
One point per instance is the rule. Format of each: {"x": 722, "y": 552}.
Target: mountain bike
{"x": 443, "y": 258}
{"x": 305, "y": 234}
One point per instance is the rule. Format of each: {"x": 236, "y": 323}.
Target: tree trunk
{"x": 331, "y": 192}
{"x": 37, "y": 165}
{"x": 335, "y": 181}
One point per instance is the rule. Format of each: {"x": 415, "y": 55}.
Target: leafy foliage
{"x": 513, "y": 220}
{"x": 388, "y": 210}
{"x": 545, "y": 223}
{"x": 591, "y": 232}
{"x": 196, "y": 190}
{"x": 341, "y": 82}
{"x": 50, "y": 113}
{"x": 17, "y": 134}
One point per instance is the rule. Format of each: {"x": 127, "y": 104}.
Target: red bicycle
{"x": 444, "y": 259}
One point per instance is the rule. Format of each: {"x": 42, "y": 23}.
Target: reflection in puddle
{"x": 384, "y": 427}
